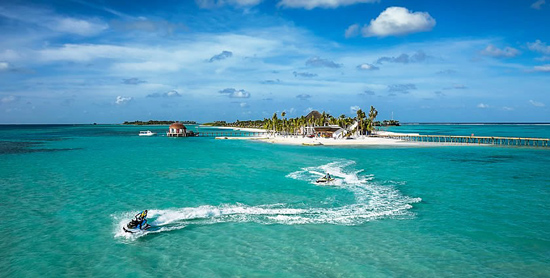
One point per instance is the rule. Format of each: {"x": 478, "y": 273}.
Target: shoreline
{"x": 386, "y": 138}
{"x": 364, "y": 141}
{"x": 317, "y": 141}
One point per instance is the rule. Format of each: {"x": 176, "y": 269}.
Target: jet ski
{"x": 139, "y": 223}
{"x": 324, "y": 180}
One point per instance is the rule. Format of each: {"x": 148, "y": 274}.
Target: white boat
{"x": 146, "y": 133}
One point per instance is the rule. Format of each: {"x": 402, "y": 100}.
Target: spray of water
{"x": 372, "y": 201}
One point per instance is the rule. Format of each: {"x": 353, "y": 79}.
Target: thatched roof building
{"x": 314, "y": 114}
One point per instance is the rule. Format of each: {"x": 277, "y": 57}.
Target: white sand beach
{"x": 316, "y": 141}
{"x": 362, "y": 141}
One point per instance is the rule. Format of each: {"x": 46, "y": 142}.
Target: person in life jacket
{"x": 140, "y": 218}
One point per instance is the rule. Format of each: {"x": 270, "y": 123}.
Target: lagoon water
{"x": 233, "y": 208}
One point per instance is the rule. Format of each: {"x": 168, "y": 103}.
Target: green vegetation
{"x": 243, "y": 124}
{"x": 293, "y": 125}
{"x": 389, "y": 123}
{"x": 152, "y": 122}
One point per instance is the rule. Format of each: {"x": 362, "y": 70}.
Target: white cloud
{"x": 88, "y": 52}
{"x": 173, "y": 93}
{"x": 545, "y": 68}
{"x": 171, "y": 57}
{"x": 170, "y": 94}
{"x": 396, "y": 21}
{"x": 538, "y": 4}
{"x": 354, "y": 108}
{"x": 54, "y": 22}
{"x": 536, "y": 103}
{"x": 539, "y": 46}
{"x": 352, "y": 31}
{"x": 319, "y": 62}
{"x": 77, "y": 26}
{"x": 312, "y": 4}
{"x": 234, "y": 93}
{"x": 482, "y": 106}
{"x": 493, "y": 51}
{"x": 405, "y": 58}
{"x": 506, "y": 108}
{"x": 8, "y": 99}
{"x": 9, "y": 55}
{"x": 4, "y": 66}
{"x": 244, "y": 104}
{"x": 122, "y": 100}
{"x": 367, "y": 66}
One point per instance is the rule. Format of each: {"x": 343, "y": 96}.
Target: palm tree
{"x": 372, "y": 116}
{"x": 274, "y": 122}
{"x": 283, "y": 114}
{"x": 360, "y": 116}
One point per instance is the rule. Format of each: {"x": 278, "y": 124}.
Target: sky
{"x": 79, "y": 61}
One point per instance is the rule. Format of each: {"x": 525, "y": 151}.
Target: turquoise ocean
{"x": 239, "y": 208}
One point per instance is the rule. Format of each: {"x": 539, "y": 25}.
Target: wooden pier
{"x": 480, "y": 140}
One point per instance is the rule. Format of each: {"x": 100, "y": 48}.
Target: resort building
{"x": 177, "y": 129}
{"x": 331, "y": 131}
{"x": 311, "y": 118}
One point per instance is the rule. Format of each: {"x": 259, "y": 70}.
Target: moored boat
{"x": 146, "y": 133}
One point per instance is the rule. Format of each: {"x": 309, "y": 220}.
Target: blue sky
{"x": 426, "y": 61}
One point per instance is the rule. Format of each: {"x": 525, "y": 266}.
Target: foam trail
{"x": 372, "y": 201}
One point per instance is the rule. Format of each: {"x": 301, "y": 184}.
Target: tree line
{"x": 365, "y": 122}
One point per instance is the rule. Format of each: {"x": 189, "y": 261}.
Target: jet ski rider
{"x": 327, "y": 176}
{"x": 140, "y": 218}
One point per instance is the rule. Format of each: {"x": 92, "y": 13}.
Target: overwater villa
{"x": 177, "y": 129}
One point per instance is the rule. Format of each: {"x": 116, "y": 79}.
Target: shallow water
{"x": 240, "y": 208}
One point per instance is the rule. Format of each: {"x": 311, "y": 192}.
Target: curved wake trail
{"x": 372, "y": 201}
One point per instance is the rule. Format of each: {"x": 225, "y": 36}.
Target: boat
{"x": 324, "y": 180}
{"x": 146, "y": 133}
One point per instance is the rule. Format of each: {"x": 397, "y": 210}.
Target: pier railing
{"x": 481, "y": 140}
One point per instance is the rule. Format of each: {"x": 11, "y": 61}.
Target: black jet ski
{"x": 139, "y": 223}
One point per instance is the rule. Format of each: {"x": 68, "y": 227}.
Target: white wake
{"x": 372, "y": 201}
